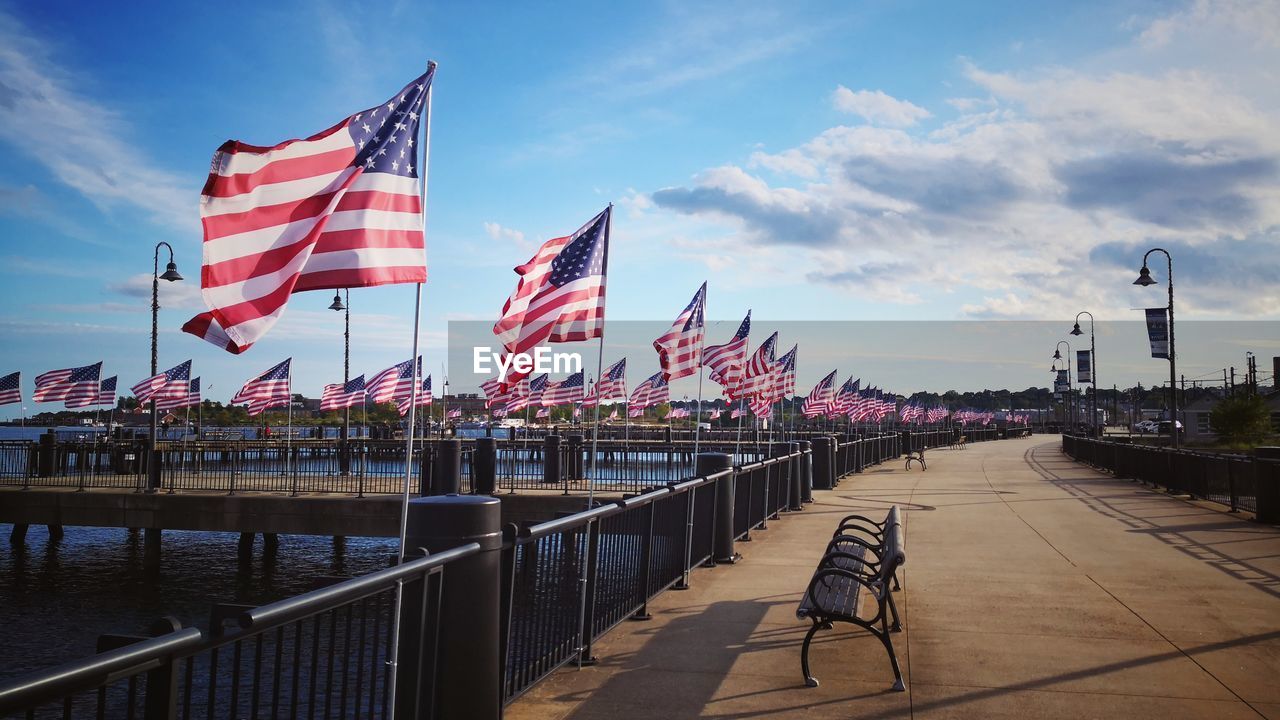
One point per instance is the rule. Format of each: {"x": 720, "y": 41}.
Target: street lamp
{"x": 1093, "y": 364}
{"x": 1145, "y": 279}
{"x": 170, "y": 275}
{"x": 1071, "y": 393}
{"x": 338, "y": 305}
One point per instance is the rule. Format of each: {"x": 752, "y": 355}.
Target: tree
{"x": 1241, "y": 420}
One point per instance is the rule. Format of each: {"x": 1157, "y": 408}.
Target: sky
{"x": 874, "y": 161}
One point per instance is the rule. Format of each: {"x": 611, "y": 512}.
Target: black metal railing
{"x": 1238, "y": 481}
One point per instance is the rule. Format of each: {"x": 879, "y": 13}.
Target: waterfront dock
{"x": 1034, "y": 587}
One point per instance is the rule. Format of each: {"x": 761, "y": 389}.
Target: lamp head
{"x": 1144, "y": 277}
{"x": 1076, "y": 330}
{"x": 171, "y": 272}
{"x": 1057, "y": 355}
{"x": 337, "y": 302}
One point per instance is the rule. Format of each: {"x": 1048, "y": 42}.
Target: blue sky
{"x": 834, "y": 161}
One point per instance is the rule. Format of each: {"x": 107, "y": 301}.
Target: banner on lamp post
{"x": 1062, "y": 384}
{"x": 1084, "y": 366}
{"x": 1158, "y": 332}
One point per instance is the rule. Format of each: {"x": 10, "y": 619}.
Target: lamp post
{"x": 170, "y": 275}
{"x": 1145, "y": 279}
{"x": 1071, "y": 393}
{"x": 1093, "y": 366}
{"x": 338, "y": 304}
{"x": 444, "y": 405}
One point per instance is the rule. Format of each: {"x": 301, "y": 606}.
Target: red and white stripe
{"x": 680, "y": 347}
{"x": 294, "y": 217}
{"x": 726, "y": 362}
{"x": 538, "y": 311}
{"x": 821, "y": 398}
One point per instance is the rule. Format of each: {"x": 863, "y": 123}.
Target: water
{"x": 57, "y": 598}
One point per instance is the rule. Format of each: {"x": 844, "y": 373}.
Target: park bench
{"x": 916, "y": 456}
{"x": 863, "y": 554}
{"x": 959, "y": 443}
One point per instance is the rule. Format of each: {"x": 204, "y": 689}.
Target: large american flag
{"x": 653, "y": 391}
{"x": 846, "y": 397}
{"x": 341, "y": 208}
{"x": 268, "y": 390}
{"x": 821, "y": 397}
{"x": 680, "y": 348}
{"x": 11, "y": 388}
{"x": 77, "y": 386}
{"x": 393, "y": 383}
{"x": 106, "y": 392}
{"x": 169, "y": 385}
{"x": 784, "y": 385}
{"x": 337, "y": 396}
{"x": 726, "y": 362}
{"x": 611, "y": 386}
{"x": 190, "y": 399}
{"x": 424, "y": 397}
{"x": 560, "y": 294}
{"x": 564, "y": 392}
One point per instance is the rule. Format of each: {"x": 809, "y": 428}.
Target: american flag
{"x": 726, "y": 361}
{"x": 543, "y": 413}
{"x": 937, "y": 413}
{"x": 635, "y": 411}
{"x": 11, "y": 388}
{"x": 846, "y": 397}
{"x": 761, "y": 405}
{"x": 394, "y": 383}
{"x": 455, "y": 413}
{"x": 270, "y": 389}
{"x": 77, "y": 386}
{"x": 424, "y": 397}
{"x": 498, "y": 412}
{"x": 614, "y": 415}
{"x": 560, "y": 294}
{"x": 106, "y": 392}
{"x": 342, "y": 395}
{"x": 527, "y": 393}
{"x": 715, "y": 414}
{"x": 192, "y": 399}
{"x": 678, "y": 413}
{"x": 495, "y": 392}
{"x": 757, "y": 377}
{"x": 652, "y": 391}
{"x": 784, "y": 385}
{"x": 563, "y": 392}
{"x": 680, "y": 348}
{"x": 737, "y": 412}
{"x": 821, "y": 397}
{"x": 169, "y": 385}
{"x": 338, "y": 209}
{"x": 612, "y": 386}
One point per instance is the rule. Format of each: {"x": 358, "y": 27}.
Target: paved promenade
{"x": 1034, "y": 587}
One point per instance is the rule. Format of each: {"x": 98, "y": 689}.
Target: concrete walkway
{"x": 1034, "y": 587}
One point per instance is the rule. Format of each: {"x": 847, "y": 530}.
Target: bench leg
{"x": 898, "y": 685}
{"x": 809, "y": 680}
{"x": 893, "y": 610}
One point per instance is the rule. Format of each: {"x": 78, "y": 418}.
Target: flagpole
{"x": 413, "y": 393}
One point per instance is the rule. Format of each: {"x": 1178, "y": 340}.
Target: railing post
{"x": 446, "y": 473}
{"x": 161, "y": 701}
{"x": 797, "y": 482}
{"x": 574, "y": 442}
{"x": 823, "y": 475}
{"x": 806, "y": 471}
{"x": 48, "y": 453}
{"x": 709, "y": 464}
{"x": 551, "y": 459}
{"x": 484, "y": 463}
{"x": 587, "y": 608}
{"x": 1266, "y": 481}
{"x": 467, "y": 678}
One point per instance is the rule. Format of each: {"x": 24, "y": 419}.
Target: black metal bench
{"x": 917, "y": 456}
{"x": 863, "y": 554}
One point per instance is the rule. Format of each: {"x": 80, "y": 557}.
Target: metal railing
{"x": 1238, "y": 481}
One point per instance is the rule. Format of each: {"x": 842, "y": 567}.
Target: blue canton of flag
{"x": 384, "y": 134}
{"x": 10, "y": 392}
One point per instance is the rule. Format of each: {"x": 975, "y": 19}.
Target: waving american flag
{"x": 726, "y": 362}
{"x": 680, "y": 348}
{"x": 758, "y": 376}
{"x": 653, "y": 391}
{"x": 424, "y": 397}
{"x": 10, "y": 388}
{"x": 821, "y": 397}
{"x": 337, "y": 396}
{"x": 78, "y": 387}
{"x": 560, "y": 294}
{"x": 564, "y": 392}
{"x": 168, "y": 386}
{"x": 338, "y": 209}
{"x": 612, "y": 386}
{"x": 268, "y": 390}
{"x": 107, "y": 392}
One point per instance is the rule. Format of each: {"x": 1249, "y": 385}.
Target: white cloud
{"x": 45, "y": 114}
{"x": 183, "y": 294}
{"x": 1039, "y": 197}
{"x": 498, "y": 232}
{"x": 876, "y": 107}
